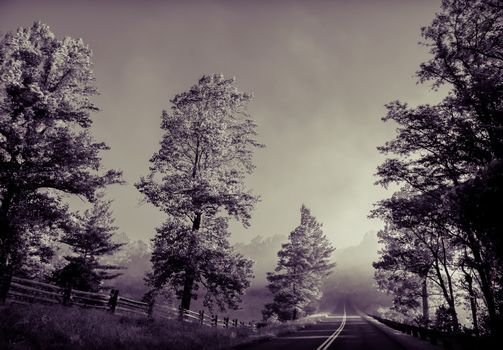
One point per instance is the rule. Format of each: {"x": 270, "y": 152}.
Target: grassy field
{"x": 57, "y": 327}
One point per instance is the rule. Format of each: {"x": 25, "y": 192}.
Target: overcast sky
{"x": 320, "y": 72}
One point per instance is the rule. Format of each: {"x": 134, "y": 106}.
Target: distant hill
{"x": 263, "y": 251}
{"x": 134, "y": 256}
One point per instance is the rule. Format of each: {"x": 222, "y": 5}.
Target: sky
{"x": 320, "y": 71}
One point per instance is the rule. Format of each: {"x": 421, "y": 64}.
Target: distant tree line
{"x": 442, "y": 245}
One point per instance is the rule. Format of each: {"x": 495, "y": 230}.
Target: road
{"x": 343, "y": 330}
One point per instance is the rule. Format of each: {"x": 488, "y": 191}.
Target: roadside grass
{"x": 56, "y": 328}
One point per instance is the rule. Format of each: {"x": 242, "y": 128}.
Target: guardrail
{"x": 449, "y": 341}
{"x": 25, "y": 291}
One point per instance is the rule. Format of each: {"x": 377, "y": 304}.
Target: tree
{"x": 404, "y": 261}
{"x": 404, "y": 286}
{"x": 223, "y": 273}
{"x": 46, "y": 149}
{"x": 198, "y": 174}
{"x": 468, "y": 54}
{"x": 303, "y": 264}
{"x": 422, "y": 244}
{"x": 90, "y": 239}
{"x": 449, "y": 154}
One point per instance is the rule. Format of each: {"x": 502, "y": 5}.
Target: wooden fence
{"x": 25, "y": 291}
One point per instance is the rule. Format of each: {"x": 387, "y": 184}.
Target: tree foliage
{"x": 46, "y": 149}
{"x": 91, "y": 237}
{"x": 198, "y": 179}
{"x": 448, "y": 157}
{"x": 303, "y": 264}
{"x": 222, "y": 273}
{"x": 205, "y": 154}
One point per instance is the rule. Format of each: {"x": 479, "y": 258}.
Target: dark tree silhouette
{"x": 449, "y": 156}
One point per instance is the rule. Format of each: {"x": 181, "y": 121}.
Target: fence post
{"x": 112, "y": 302}
{"x": 235, "y": 322}
{"x": 201, "y": 316}
{"x": 226, "y": 322}
{"x": 5, "y": 280}
{"x": 181, "y": 313}
{"x": 67, "y": 296}
{"x": 150, "y": 309}
{"x": 215, "y": 320}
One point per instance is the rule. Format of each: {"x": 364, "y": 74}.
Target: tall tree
{"x": 198, "y": 174}
{"x": 303, "y": 264}
{"x": 46, "y": 149}
{"x": 90, "y": 238}
{"x": 468, "y": 54}
{"x": 450, "y": 154}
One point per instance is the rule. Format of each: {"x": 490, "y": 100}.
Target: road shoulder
{"x": 406, "y": 341}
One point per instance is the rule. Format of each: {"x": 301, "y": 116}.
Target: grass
{"x": 56, "y": 328}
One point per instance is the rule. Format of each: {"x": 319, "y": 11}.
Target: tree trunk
{"x": 187, "y": 289}
{"x": 294, "y": 317}
{"x": 6, "y": 268}
{"x": 483, "y": 271}
{"x": 451, "y": 300}
{"x": 448, "y": 298}
{"x": 7, "y": 234}
{"x": 188, "y": 285}
{"x": 473, "y": 303}
{"x": 5, "y": 246}
{"x": 424, "y": 296}
{"x": 452, "y": 305}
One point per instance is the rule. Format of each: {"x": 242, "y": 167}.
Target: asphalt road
{"x": 343, "y": 330}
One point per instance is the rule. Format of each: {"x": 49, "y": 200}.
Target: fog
{"x": 352, "y": 279}
{"x": 320, "y": 72}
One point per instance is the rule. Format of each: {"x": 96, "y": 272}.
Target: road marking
{"x": 305, "y": 337}
{"x": 334, "y": 335}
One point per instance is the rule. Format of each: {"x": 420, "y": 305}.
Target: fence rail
{"x": 25, "y": 291}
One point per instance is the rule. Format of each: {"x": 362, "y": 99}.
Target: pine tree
{"x": 198, "y": 174}
{"x": 303, "y": 264}
{"x": 90, "y": 239}
{"x": 46, "y": 149}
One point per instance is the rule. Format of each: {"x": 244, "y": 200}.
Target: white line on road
{"x": 334, "y": 335}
